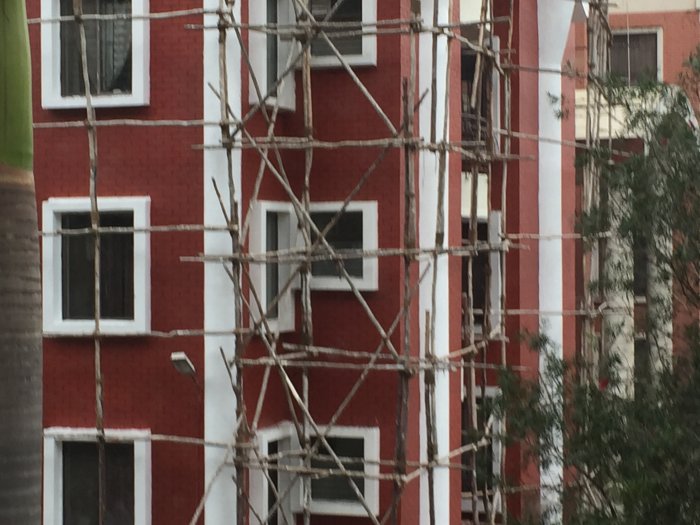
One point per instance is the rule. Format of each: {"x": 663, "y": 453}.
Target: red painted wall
{"x": 522, "y": 264}
{"x": 141, "y": 388}
{"x": 340, "y": 112}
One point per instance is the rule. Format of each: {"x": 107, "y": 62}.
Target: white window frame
{"x": 496, "y": 95}
{"x": 259, "y": 487}
{"x": 370, "y": 435}
{"x": 54, "y": 324}
{"x": 493, "y": 218}
{"x": 54, "y": 438}
{"x": 287, "y": 51}
{"x": 368, "y": 57}
{"x": 490, "y": 392}
{"x": 370, "y": 266}
{"x": 659, "y": 32}
{"x": 495, "y": 281}
{"x": 51, "y": 97}
{"x": 285, "y": 430}
{"x": 287, "y": 232}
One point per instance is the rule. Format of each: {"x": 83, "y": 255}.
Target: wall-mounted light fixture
{"x": 182, "y": 364}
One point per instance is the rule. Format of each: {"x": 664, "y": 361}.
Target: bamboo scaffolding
{"x": 490, "y": 152}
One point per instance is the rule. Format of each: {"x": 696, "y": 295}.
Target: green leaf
{"x": 16, "y": 147}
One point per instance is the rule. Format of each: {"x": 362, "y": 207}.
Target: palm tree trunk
{"x": 20, "y": 289}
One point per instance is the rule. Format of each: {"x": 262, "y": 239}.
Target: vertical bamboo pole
{"x": 94, "y": 225}
{"x": 307, "y": 313}
{"x": 409, "y": 244}
{"x": 242, "y": 434}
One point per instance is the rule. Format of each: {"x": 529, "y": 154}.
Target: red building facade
{"x": 178, "y": 170}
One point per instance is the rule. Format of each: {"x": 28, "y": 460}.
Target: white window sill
{"x": 332, "y": 61}
{"x": 86, "y": 328}
{"x": 98, "y": 101}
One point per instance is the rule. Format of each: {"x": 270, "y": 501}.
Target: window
{"x": 481, "y": 124}
{"x": 642, "y": 364}
{"x": 117, "y": 54}
{"x": 68, "y": 266}
{"x": 71, "y": 477}
{"x": 344, "y": 236}
{"x": 116, "y": 267}
{"x": 356, "y": 47}
{"x": 488, "y": 458}
{"x": 268, "y": 484}
{"x": 80, "y": 482}
{"x": 479, "y": 270}
{"x": 356, "y": 447}
{"x": 337, "y": 487}
{"x": 272, "y": 229}
{"x": 358, "y": 450}
{"x": 272, "y": 54}
{"x": 108, "y": 49}
{"x": 355, "y": 229}
{"x": 640, "y": 264}
{"x": 635, "y": 56}
{"x": 486, "y": 265}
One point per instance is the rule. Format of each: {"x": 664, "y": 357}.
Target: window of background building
{"x": 634, "y": 56}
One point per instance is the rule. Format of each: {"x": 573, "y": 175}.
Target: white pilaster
{"x": 219, "y": 402}
{"x": 554, "y": 21}
{"x": 428, "y": 191}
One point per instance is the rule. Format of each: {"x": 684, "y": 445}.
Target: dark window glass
{"x": 108, "y": 45}
{"x": 80, "y": 483}
{"x": 474, "y": 120}
{"x": 349, "y": 11}
{"x": 642, "y": 365}
{"x": 337, "y": 487}
{"x": 272, "y": 47}
{"x": 641, "y": 270}
{"x": 633, "y": 57}
{"x": 484, "y": 455}
{"x": 479, "y": 268}
{"x": 345, "y": 235}
{"x": 116, "y": 267}
{"x": 272, "y": 284}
